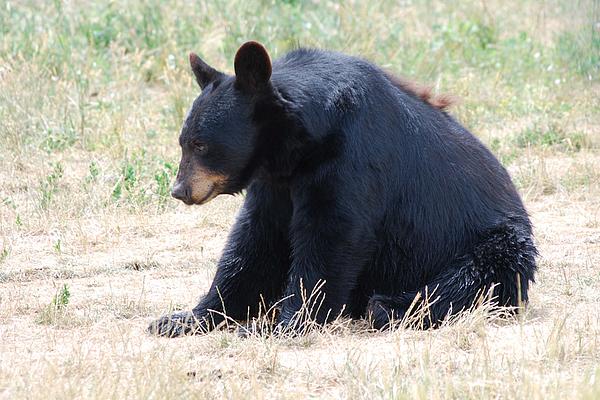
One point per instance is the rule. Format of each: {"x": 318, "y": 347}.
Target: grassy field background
{"x": 92, "y": 248}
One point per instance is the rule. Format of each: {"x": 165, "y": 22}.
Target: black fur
{"x": 355, "y": 182}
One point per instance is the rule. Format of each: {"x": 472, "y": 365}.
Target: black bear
{"x": 357, "y": 184}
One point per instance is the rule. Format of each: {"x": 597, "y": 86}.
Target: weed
{"x": 94, "y": 172}
{"x": 61, "y": 300}
{"x": 62, "y": 139}
{"x": 57, "y": 246}
{"x": 163, "y": 178}
{"x": 49, "y": 186}
{"x": 129, "y": 186}
{"x": 4, "y": 253}
{"x": 54, "y": 311}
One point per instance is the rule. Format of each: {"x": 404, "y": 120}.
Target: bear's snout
{"x": 181, "y": 192}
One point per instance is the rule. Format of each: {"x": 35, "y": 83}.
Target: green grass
{"x": 94, "y": 60}
{"x": 111, "y": 79}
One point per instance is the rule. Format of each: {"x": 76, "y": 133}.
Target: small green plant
{"x": 495, "y": 145}
{"x": 57, "y": 247}
{"x": 144, "y": 180}
{"x": 4, "y": 253}
{"x": 49, "y": 186}
{"x": 60, "y": 140}
{"x": 127, "y": 182}
{"x": 61, "y": 299}
{"x": 94, "y": 171}
{"x": 163, "y": 179}
{"x": 129, "y": 186}
{"x": 54, "y": 311}
{"x": 9, "y": 202}
{"x": 129, "y": 177}
{"x": 117, "y": 191}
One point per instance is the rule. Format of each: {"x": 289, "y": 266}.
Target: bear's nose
{"x": 180, "y": 192}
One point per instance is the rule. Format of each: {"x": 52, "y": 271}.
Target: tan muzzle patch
{"x": 201, "y": 185}
{"x": 205, "y": 186}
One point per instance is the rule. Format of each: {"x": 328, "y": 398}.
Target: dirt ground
{"x": 122, "y": 271}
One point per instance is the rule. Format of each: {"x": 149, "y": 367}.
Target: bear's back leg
{"x": 499, "y": 266}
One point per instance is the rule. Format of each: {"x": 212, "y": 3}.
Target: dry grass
{"x": 92, "y": 249}
{"x": 97, "y": 346}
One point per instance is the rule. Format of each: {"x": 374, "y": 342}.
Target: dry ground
{"x": 123, "y": 270}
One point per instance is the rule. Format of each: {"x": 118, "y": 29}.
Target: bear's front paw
{"x": 177, "y": 324}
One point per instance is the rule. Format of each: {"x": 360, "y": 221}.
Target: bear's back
{"x": 430, "y": 172}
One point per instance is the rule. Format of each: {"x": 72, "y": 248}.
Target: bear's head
{"x": 218, "y": 135}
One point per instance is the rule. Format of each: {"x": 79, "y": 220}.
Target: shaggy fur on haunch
{"x": 355, "y": 180}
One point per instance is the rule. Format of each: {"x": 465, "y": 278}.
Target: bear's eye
{"x": 200, "y": 148}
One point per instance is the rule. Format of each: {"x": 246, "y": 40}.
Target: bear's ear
{"x": 252, "y": 66}
{"x": 204, "y": 73}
